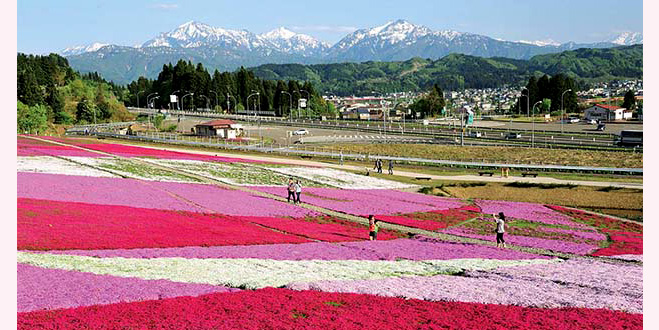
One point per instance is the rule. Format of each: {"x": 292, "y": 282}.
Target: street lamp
{"x": 178, "y": 101}
{"x": 247, "y": 102}
{"x": 290, "y": 102}
{"x": 528, "y": 100}
{"x": 308, "y": 100}
{"x": 183, "y": 97}
{"x": 216, "y": 98}
{"x": 147, "y": 98}
{"x": 207, "y": 101}
{"x": 533, "y": 124}
{"x": 138, "y": 98}
{"x": 563, "y": 109}
{"x": 235, "y": 106}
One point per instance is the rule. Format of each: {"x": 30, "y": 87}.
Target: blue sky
{"x": 47, "y": 26}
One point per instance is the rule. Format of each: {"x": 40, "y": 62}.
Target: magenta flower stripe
{"x": 43, "y": 289}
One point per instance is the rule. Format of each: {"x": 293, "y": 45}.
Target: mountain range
{"x": 225, "y": 49}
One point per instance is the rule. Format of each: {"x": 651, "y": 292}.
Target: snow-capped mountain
{"x": 82, "y": 49}
{"x": 195, "y": 35}
{"x": 400, "y": 40}
{"x": 628, "y": 38}
{"x": 390, "y": 33}
{"x": 226, "y": 49}
{"x": 541, "y": 43}
{"x": 290, "y": 42}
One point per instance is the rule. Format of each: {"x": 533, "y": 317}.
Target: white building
{"x": 607, "y": 113}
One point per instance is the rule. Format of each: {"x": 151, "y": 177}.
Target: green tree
{"x": 431, "y": 104}
{"x": 629, "y": 101}
{"x": 28, "y": 88}
{"x": 85, "y": 111}
{"x": 32, "y": 119}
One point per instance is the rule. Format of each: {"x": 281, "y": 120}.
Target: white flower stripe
{"x": 259, "y": 273}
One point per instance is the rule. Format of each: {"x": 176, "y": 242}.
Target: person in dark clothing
{"x": 379, "y": 165}
{"x": 391, "y": 167}
{"x": 291, "y": 190}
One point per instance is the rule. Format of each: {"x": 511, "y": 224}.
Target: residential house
{"x": 223, "y": 128}
{"x": 607, "y": 113}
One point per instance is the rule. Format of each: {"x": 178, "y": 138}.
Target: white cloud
{"x": 324, "y": 28}
{"x": 165, "y": 6}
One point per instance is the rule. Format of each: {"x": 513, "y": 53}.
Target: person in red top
{"x": 372, "y": 228}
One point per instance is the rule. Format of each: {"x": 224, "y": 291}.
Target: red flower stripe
{"x": 602, "y": 222}
{"x": 51, "y": 225}
{"x": 280, "y": 308}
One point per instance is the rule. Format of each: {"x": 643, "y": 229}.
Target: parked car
{"x": 301, "y": 131}
{"x": 573, "y": 120}
{"x": 513, "y": 135}
{"x": 475, "y": 134}
{"x": 592, "y": 121}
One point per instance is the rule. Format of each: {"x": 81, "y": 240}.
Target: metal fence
{"x": 312, "y": 151}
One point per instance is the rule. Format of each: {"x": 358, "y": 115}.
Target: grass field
{"x": 627, "y": 203}
{"x": 499, "y": 154}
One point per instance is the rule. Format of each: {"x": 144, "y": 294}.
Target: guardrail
{"x": 178, "y": 140}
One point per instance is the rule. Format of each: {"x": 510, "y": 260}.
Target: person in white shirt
{"x": 298, "y": 191}
{"x": 500, "y": 230}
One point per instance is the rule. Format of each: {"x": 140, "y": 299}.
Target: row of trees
{"x": 430, "y": 105}
{"x": 551, "y": 91}
{"x": 226, "y": 91}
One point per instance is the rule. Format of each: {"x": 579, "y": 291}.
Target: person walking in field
{"x": 373, "y": 228}
{"x": 500, "y": 229}
{"x": 391, "y": 167}
{"x": 291, "y": 190}
{"x": 379, "y": 165}
{"x": 298, "y": 191}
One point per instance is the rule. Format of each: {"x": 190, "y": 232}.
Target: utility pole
{"x": 462, "y": 131}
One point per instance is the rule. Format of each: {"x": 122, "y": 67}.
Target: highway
{"x": 492, "y": 132}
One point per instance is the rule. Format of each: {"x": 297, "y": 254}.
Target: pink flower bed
{"x": 53, "y": 150}
{"x": 233, "y": 202}
{"x": 533, "y": 242}
{"x": 302, "y": 251}
{"x": 133, "y": 151}
{"x": 373, "y": 201}
{"x": 47, "y": 289}
{"x": 155, "y": 195}
{"x": 51, "y": 225}
{"x": 527, "y": 211}
{"x": 97, "y": 190}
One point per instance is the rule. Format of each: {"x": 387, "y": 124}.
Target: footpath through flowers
{"x": 195, "y": 241}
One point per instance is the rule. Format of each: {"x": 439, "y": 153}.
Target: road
{"x": 611, "y": 128}
{"x": 545, "y": 134}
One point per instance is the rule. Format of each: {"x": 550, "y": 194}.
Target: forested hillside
{"x": 455, "y": 71}
{"x": 49, "y": 92}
